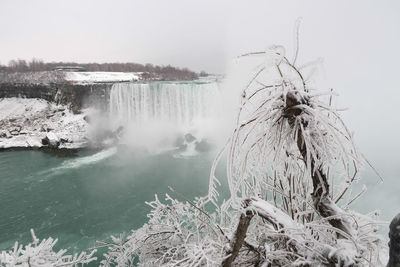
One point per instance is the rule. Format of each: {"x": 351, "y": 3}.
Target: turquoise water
{"x": 97, "y": 194}
{"x": 90, "y": 197}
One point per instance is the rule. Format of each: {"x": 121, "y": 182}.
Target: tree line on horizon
{"x": 150, "y": 71}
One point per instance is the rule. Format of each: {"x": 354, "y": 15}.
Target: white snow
{"x": 52, "y": 138}
{"x": 15, "y": 107}
{"x": 268, "y": 210}
{"x": 345, "y": 252}
{"x": 25, "y": 122}
{"x": 42, "y": 253}
{"x": 93, "y": 77}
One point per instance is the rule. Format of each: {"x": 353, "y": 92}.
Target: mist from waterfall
{"x": 155, "y": 114}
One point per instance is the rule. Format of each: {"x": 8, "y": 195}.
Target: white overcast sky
{"x": 195, "y": 34}
{"x": 359, "y": 41}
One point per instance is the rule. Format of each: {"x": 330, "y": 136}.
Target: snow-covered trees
{"x": 291, "y": 164}
{"x": 41, "y": 253}
{"x": 44, "y": 77}
{"x": 25, "y": 71}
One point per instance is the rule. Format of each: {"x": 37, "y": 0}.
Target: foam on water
{"x": 190, "y": 151}
{"x": 83, "y": 161}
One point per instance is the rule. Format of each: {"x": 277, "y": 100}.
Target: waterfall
{"x": 180, "y": 103}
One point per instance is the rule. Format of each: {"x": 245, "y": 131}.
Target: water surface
{"x": 87, "y": 198}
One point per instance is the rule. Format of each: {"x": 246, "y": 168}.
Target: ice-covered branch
{"x": 41, "y": 253}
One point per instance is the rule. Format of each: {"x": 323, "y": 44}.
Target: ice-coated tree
{"x": 41, "y": 253}
{"x": 291, "y": 163}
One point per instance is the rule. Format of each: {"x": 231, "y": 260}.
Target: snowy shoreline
{"x": 39, "y": 124}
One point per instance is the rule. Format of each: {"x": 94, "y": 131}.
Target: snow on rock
{"x": 37, "y": 123}
{"x": 12, "y": 108}
{"x": 95, "y": 77}
{"x": 33, "y": 141}
{"x": 51, "y": 139}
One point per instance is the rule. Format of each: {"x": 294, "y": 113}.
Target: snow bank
{"x": 32, "y": 122}
{"x": 95, "y": 77}
{"x": 16, "y": 107}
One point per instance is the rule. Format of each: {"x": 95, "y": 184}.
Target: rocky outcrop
{"x": 188, "y": 140}
{"x": 26, "y": 90}
{"x": 39, "y": 123}
{"x": 79, "y": 96}
{"x": 51, "y": 140}
{"x": 75, "y": 96}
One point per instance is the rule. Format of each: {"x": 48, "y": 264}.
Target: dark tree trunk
{"x": 321, "y": 199}
{"x": 237, "y": 238}
{"x": 394, "y": 243}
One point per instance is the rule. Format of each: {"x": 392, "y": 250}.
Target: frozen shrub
{"x": 291, "y": 162}
{"x": 41, "y": 253}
